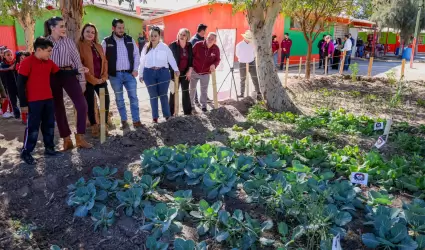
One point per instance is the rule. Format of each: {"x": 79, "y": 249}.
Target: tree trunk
{"x": 308, "y": 59}
{"x": 261, "y": 20}
{"x": 72, "y": 13}
{"x": 28, "y": 24}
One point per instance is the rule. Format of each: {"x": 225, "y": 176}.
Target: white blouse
{"x": 158, "y": 57}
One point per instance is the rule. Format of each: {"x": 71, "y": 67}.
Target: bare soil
{"x": 36, "y": 195}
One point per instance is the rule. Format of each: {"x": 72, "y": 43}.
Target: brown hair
{"x": 53, "y": 21}
{"x": 96, "y": 38}
{"x": 153, "y": 29}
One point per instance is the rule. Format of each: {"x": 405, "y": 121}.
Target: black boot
{"x": 52, "y": 152}
{"x": 27, "y": 158}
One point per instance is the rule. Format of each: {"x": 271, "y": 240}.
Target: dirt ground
{"x": 36, "y": 195}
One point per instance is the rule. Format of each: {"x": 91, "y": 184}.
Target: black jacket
{"x": 111, "y": 53}
{"x": 320, "y": 46}
{"x": 175, "y": 48}
{"x": 196, "y": 38}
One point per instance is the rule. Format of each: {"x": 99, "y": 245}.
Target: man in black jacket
{"x": 321, "y": 57}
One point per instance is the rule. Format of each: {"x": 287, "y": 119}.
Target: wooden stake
{"x": 326, "y": 66}
{"x": 369, "y": 70}
{"x": 299, "y": 71}
{"x": 102, "y": 116}
{"x": 286, "y": 73}
{"x": 247, "y": 80}
{"x": 341, "y": 68}
{"x": 314, "y": 67}
{"x": 214, "y": 83}
{"x": 176, "y": 96}
{"x": 403, "y": 66}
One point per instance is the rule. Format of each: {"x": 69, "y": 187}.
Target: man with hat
{"x": 245, "y": 52}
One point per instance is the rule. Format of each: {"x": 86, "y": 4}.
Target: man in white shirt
{"x": 348, "y": 45}
{"x": 245, "y": 52}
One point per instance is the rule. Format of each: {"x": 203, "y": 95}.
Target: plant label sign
{"x": 380, "y": 142}
{"x": 336, "y": 243}
{"x": 378, "y": 126}
{"x": 359, "y": 178}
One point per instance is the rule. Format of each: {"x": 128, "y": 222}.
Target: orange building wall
{"x": 8, "y": 37}
{"x": 217, "y": 16}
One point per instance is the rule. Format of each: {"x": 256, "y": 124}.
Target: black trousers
{"x": 187, "y": 107}
{"x": 41, "y": 114}
{"x": 12, "y": 91}
{"x": 283, "y": 56}
{"x": 321, "y": 60}
{"x": 89, "y": 94}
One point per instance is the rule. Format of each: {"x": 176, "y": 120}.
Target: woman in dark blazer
{"x": 182, "y": 51}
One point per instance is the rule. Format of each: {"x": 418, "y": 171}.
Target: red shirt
{"x": 97, "y": 63}
{"x": 38, "y": 73}
{"x": 184, "y": 58}
{"x": 204, "y": 57}
{"x": 275, "y": 46}
{"x": 287, "y": 44}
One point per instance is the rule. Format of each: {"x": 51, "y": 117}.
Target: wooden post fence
{"x": 176, "y": 96}
{"x": 326, "y": 66}
{"x": 102, "y": 116}
{"x": 341, "y": 68}
{"x": 369, "y": 69}
{"x": 286, "y": 73}
{"x": 247, "y": 80}
{"x": 299, "y": 70}
{"x": 214, "y": 83}
{"x": 403, "y": 67}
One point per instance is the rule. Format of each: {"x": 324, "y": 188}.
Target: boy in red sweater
{"x": 35, "y": 98}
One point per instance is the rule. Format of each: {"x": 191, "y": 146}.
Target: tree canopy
{"x": 399, "y": 14}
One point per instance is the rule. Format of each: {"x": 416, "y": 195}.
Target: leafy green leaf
{"x": 370, "y": 240}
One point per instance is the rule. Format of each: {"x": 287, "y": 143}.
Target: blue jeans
{"x": 127, "y": 80}
{"x": 157, "y": 81}
{"x": 347, "y": 60}
{"x": 275, "y": 58}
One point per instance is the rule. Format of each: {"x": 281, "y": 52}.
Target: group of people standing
{"x": 82, "y": 68}
{"x": 334, "y": 50}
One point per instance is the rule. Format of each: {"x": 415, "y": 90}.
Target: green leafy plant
{"x": 161, "y": 220}
{"x": 182, "y": 200}
{"x": 391, "y": 76}
{"x": 181, "y": 244}
{"x": 153, "y": 244}
{"x": 103, "y": 219}
{"x": 378, "y": 198}
{"x": 354, "y": 71}
{"x": 148, "y": 184}
{"x": 84, "y": 198}
{"x": 130, "y": 199}
{"x": 421, "y": 102}
{"x": 219, "y": 180}
{"x": 236, "y": 128}
{"x": 240, "y": 231}
{"x": 155, "y": 160}
{"x": 207, "y": 216}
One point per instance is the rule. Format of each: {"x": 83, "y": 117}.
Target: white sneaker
{"x": 8, "y": 115}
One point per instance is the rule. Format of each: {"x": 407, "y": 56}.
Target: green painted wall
{"x": 100, "y": 17}
{"x": 392, "y": 37}
{"x": 103, "y": 21}
{"x": 299, "y": 45}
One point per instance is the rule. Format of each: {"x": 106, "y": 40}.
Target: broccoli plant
{"x": 182, "y": 200}
{"x": 103, "y": 179}
{"x": 207, "y": 216}
{"x": 240, "y": 231}
{"x": 103, "y": 219}
{"x": 161, "y": 220}
{"x": 415, "y": 215}
{"x": 243, "y": 166}
{"x": 224, "y": 155}
{"x": 130, "y": 199}
{"x": 219, "y": 180}
{"x": 176, "y": 167}
{"x": 148, "y": 184}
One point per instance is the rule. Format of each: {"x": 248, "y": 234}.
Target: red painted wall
{"x": 217, "y": 16}
{"x": 8, "y": 37}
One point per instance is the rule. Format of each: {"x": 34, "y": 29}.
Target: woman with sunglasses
{"x": 93, "y": 57}
{"x": 182, "y": 51}
{"x": 71, "y": 79}
{"x": 154, "y": 71}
